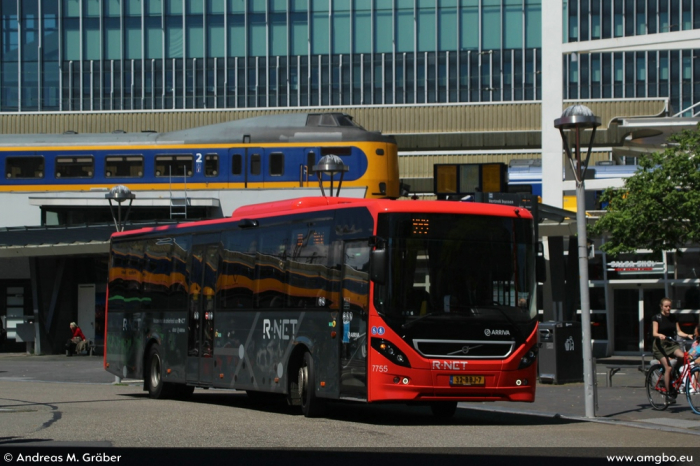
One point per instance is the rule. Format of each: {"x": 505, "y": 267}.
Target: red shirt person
{"x": 76, "y": 337}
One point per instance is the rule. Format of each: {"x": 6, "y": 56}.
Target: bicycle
{"x": 683, "y": 379}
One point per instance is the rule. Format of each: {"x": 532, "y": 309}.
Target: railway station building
{"x": 454, "y": 81}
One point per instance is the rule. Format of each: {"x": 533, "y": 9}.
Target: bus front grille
{"x": 464, "y": 349}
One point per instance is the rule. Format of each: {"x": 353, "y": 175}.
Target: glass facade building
{"x": 69, "y": 55}
{"x": 652, "y": 73}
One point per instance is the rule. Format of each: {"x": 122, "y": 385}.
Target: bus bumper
{"x": 433, "y": 385}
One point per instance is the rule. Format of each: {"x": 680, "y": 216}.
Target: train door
{"x": 237, "y": 176}
{"x": 308, "y": 177}
{"x": 203, "y": 266}
{"x": 254, "y": 167}
{"x": 354, "y": 315}
{"x": 284, "y": 165}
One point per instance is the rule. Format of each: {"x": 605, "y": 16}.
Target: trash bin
{"x": 561, "y": 358}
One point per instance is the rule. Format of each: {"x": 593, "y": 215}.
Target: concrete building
{"x": 462, "y": 81}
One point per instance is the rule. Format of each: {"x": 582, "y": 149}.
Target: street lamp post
{"x": 330, "y": 165}
{"x": 120, "y": 194}
{"x": 578, "y": 118}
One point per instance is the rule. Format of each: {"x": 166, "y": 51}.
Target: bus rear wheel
{"x": 153, "y": 374}
{"x": 311, "y": 406}
{"x": 443, "y": 409}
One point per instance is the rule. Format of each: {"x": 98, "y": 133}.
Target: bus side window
{"x": 237, "y": 270}
{"x": 271, "y": 288}
{"x": 179, "y": 275}
{"x": 309, "y": 258}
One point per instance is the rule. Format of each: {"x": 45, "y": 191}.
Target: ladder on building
{"x": 178, "y": 204}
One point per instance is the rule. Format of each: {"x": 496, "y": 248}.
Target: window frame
{"x": 8, "y": 168}
{"x": 64, "y": 169}
{"x": 124, "y": 161}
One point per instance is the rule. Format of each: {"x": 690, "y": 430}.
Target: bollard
{"x": 595, "y": 386}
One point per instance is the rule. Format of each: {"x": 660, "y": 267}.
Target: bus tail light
{"x": 530, "y": 357}
{"x": 391, "y": 352}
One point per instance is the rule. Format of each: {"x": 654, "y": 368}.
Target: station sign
{"x": 461, "y": 179}
{"x": 636, "y": 267}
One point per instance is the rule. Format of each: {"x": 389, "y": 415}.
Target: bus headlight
{"x": 391, "y": 352}
{"x": 530, "y": 357}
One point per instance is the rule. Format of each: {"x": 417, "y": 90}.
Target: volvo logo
{"x": 465, "y": 350}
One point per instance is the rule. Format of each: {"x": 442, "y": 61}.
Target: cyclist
{"x": 664, "y": 327}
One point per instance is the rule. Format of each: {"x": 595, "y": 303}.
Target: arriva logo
{"x": 501, "y": 333}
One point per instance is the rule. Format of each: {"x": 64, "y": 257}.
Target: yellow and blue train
{"x": 263, "y": 153}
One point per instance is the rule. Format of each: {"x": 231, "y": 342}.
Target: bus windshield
{"x": 457, "y": 268}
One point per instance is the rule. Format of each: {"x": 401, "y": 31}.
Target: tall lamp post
{"x": 330, "y": 165}
{"x": 577, "y": 118}
{"x": 120, "y": 194}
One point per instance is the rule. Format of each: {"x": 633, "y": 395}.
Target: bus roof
{"x": 376, "y": 206}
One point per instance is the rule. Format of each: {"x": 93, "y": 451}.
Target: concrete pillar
{"x": 552, "y": 95}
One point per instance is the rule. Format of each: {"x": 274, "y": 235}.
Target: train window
{"x": 341, "y": 151}
{"x": 345, "y": 120}
{"x": 122, "y": 166}
{"x": 211, "y": 165}
{"x": 327, "y": 120}
{"x": 174, "y": 165}
{"x": 277, "y": 164}
{"x": 237, "y": 164}
{"x": 24, "y": 167}
{"x": 310, "y": 162}
{"x": 255, "y": 164}
{"x": 75, "y": 167}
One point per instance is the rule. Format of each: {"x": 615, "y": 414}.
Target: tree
{"x": 659, "y": 206}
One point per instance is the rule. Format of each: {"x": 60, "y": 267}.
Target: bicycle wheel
{"x": 693, "y": 394}
{"x": 655, "y": 388}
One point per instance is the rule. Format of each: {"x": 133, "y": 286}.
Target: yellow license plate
{"x": 465, "y": 380}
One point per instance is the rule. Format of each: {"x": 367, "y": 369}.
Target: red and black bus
{"x": 320, "y": 299}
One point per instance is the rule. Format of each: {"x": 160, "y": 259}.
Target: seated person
{"x": 77, "y": 338}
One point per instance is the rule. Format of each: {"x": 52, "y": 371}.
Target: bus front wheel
{"x": 311, "y": 406}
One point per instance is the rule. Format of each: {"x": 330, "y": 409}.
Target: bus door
{"x": 254, "y": 170}
{"x": 354, "y": 315}
{"x": 200, "y": 340}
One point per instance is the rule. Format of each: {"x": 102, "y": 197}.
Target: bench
{"x": 613, "y": 369}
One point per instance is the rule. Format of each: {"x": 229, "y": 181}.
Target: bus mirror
{"x": 377, "y": 266}
{"x": 377, "y": 241}
{"x": 248, "y": 223}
